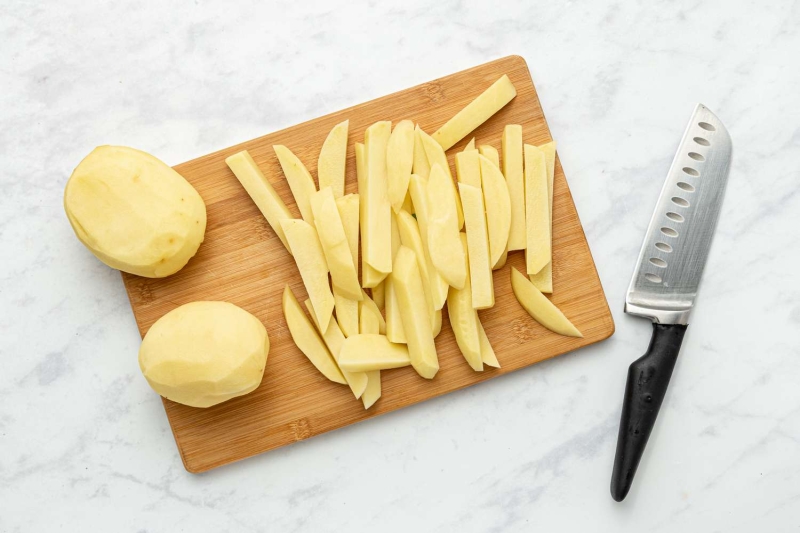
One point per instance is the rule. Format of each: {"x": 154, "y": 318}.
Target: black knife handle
{"x": 648, "y": 378}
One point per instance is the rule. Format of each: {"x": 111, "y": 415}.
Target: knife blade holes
{"x": 706, "y": 126}
{"x": 690, "y": 171}
{"x": 669, "y": 232}
{"x": 660, "y": 263}
{"x": 674, "y": 216}
{"x": 664, "y": 247}
{"x": 696, "y": 156}
{"x": 677, "y": 200}
{"x": 701, "y": 141}
{"x": 685, "y": 186}
{"x": 652, "y": 277}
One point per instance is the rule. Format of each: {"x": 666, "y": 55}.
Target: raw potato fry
{"x": 332, "y": 158}
{"x": 334, "y": 338}
{"x": 307, "y": 339}
{"x": 544, "y": 278}
{"x": 478, "y": 245}
{"x": 502, "y": 261}
{"x": 394, "y": 324}
{"x": 476, "y": 113}
{"x": 372, "y": 307}
{"x": 421, "y": 166}
{"x": 419, "y": 193}
{"x": 464, "y": 320}
{"x": 376, "y": 231}
{"x": 512, "y": 170}
{"x": 537, "y": 252}
{"x": 468, "y": 168}
{"x": 408, "y": 205}
{"x": 411, "y": 238}
{"x": 346, "y": 308}
{"x": 444, "y": 244}
{"x": 437, "y": 322}
{"x": 487, "y": 352}
{"x": 366, "y": 352}
{"x": 346, "y": 313}
{"x": 436, "y": 155}
{"x": 498, "y": 209}
{"x": 369, "y": 276}
{"x": 261, "y": 191}
{"x": 310, "y": 259}
{"x": 399, "y": 159}
{"x": 300, "y": 181}
{"x": 379, "y": 294}
{"x": 470, "y": 145}
{"x": 373, "y": 391}
{"x": 334, "y": 244}
{"x": 539, "y": 307}
{"x": 414, "y": 313}
{"x": 490, "y": 152}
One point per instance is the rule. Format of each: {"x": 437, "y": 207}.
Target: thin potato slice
{"x": 436, "y": 155}
{"x": 487, "y": 352}
{"x": 332, "y": 159}
{"x": 300, "y": 181}
{"x": 539, "y": 307}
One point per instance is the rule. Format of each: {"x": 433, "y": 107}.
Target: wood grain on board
{"x": 242, "y": 261}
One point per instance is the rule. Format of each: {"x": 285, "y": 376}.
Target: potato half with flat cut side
{"x": 133, "y": 212}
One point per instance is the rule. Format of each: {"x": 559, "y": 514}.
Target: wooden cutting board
{"x": 242, "y": 261}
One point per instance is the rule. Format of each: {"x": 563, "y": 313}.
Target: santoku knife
{"x": 665, "y": 281}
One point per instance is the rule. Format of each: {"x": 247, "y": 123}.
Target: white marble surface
{"x": 85, "y": 444}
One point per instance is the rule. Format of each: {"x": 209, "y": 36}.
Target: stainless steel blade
{"x": 671, "y": 262}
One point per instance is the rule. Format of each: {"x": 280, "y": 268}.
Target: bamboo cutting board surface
{"x": 242, "y": 261}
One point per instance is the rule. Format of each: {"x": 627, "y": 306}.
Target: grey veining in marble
{"x": 84, "y": 443}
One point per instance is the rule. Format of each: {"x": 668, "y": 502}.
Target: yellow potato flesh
{"x": 436, "y": 155}
{"x": 347, "y": 308}
{"x": 411, "y": 238}
{"x": 437, "y": 322}
{"x": 332, "y": 159}
{"x": 464, "y": 320}
{"x": 490, "y": 152}
{"x": 300, "y": 181}
{"x": 333, "y": 339}
{"x": 421, "y": 166}
{"x": 307, "y": 339}
{"x": 370, "y": 305}
{"x": 513, "y": 172}
{"x": 470, "y": 145}
{"x": 498, "y": 209}
{"x": 346, "y": 312}
{"x": 133, "y": 212}
{"x": 334, "y": 243}
{"x": 414, "y": 313}
{"x": 476, "y": 112}
{"x": 367, "y": 352}
{"x": 369, "y": 276}
{"x": 537, "y": 217}
{"x": 394, "y": 323}
{"x": 444, "y": 244}
{"x": 310, "y": 259}
{"x": 373, "y": 390}
{"x": 539, "y": 307}
{"x": 419, "y": 193}
{"x": 376, "y": 231}
{"x": 488, "y": 356}
{"x": 544, "y": 278}
{"x": 478, "y": 244}
{"x": 399, "y": 160}
{"x": 468, "y": 168}
{"x": 261, "y": 191}
{"x": 204, "y": 353}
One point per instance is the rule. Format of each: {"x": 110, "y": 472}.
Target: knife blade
{"x": 667, "y": 276}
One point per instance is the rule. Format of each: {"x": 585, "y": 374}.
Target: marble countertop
{"x": 84, "y": 442}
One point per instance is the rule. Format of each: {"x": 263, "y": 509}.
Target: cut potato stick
{"x": 346, "y": 313}
{"x": 539, "y": 307}
{"x": 370, "y": 304}
{"x": 421, "y": 166}
{"x": 502, "y": 261}
{"x": 346, "y": 308}
{"x": 399, "y": 160}
{"x": 487, "y": 352}
{"x": 376, "y": 231}
{"x": 470, "y": 145}
{"x": 411, "y": 238}
{"x": 334, "y": 339}
{"x": 476, "y": 112}
{"x": 373, "y": 390}
{"x": 414, "y": 314}
{"x": 332, "y": 159}
{"x": 436, "y": 155}
{"x": 408, "y": 205}
{"x": 307, "y": 339}
{"x": 464, "y": 319}
{"x": 498, "y": 208}
{"x": 468, "y": 168}
{"x": 478, "y": 245}
{"x": 330, "y": 230}
{"x": 544, "y": 278}
{"x": 261, "y": 192}
{"x": 444, "y": 244}
{"x": 537, "y": 230}
{"x": 365, "y": 352}
{"x": 437, "y": 322}
{"x": 512, "y": 170}
{"x": 379, "y": 294}
{"x": 300, "y": 181}
{"x": 490, "y": 152}
{"x": 310, "y": 259}
{"x": 419, "y": 193}
{"x": 369, "y": 276}
{"x": 394, "y": 324}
